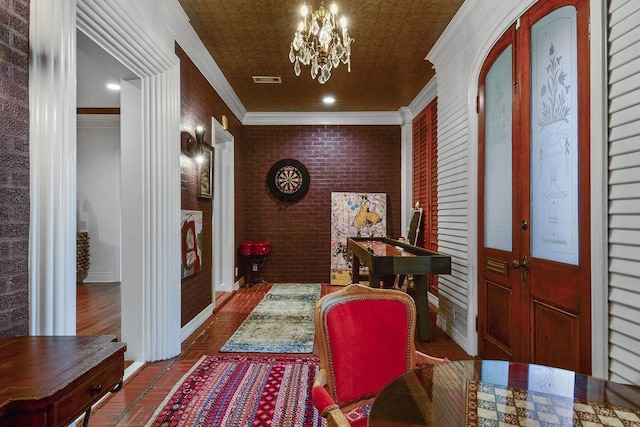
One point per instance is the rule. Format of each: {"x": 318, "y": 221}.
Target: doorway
{"x": 223, "y": 241}
{"x": 534, "y": 290}
{"x": 98, "y": 201}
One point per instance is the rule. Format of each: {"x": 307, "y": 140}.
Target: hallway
{"x": 144, "y": 391}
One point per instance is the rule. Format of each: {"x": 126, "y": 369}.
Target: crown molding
{"x": 424, "y": 97}
{"x": 324, "y": 118}
{"x": 186, "y": 37}
{"x": 479, "y": 16}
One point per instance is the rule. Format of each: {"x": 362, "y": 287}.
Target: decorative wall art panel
{"x": 191, "y": 243}
{"x": 353, "y": 215}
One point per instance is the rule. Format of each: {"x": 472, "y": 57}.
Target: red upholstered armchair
{"x": 365, "y": 338}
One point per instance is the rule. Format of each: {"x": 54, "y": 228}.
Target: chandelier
{"x": 321, "y": 41}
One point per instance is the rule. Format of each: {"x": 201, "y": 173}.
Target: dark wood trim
{"x": 93, "y": 110}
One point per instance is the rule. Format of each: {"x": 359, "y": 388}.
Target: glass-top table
{"x": 489, "y": 392}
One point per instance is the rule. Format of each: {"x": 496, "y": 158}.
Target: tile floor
{"x": 142, "y": 393}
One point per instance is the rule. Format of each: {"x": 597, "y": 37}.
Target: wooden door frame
{"x": 584, "y": 285}
{"x": 507, "y": 39}
{"x": 583, "y": 306}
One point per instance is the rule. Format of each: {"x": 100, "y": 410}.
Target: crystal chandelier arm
{"x": 320, "y": 42}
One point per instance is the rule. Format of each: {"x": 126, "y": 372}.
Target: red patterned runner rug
{"x": 243, "y": 391}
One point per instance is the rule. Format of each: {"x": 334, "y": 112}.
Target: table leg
{"x": 374, "y": 279}
{"x": 87, "y": 415}
{"x": 355, "y": 270}
{"x": 422, "y": 308}
{"x": 388, "y": 281}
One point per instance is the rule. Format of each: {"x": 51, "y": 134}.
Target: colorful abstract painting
{"x": 353, "y": 215}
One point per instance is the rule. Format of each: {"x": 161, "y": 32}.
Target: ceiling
{"x": 96, "y": 68}
{"x": 252, "y": 38}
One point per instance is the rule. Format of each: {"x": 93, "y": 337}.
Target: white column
{"x": 151, "y": 286}
{"x": 52, "y": 145}
{"x": 162, "y": 205}
{"x": 406, "y": 168}
{"x": 151, "y": 217}
{"x": 150, "y": 172}
{"x": 599, "y": 190}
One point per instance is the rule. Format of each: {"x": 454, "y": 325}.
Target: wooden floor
{"x": 135, "y": 404}
{"x": 98, "y": 309}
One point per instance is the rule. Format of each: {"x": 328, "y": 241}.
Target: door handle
{"x": 523, "y": 264}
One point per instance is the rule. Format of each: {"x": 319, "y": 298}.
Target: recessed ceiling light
{"x": 113, "y": 86}
{"x": 328, "y": 99}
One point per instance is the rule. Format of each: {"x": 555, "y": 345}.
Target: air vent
{"x": 266, "y": 79}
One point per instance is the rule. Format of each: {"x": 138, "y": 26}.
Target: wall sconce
{"x": 200, "y": 139}
{"x": 188, "y": 144}
{"x": 225, "y": 124}
{"x": 193, "y": 147}
{"x": 200, "y": 135}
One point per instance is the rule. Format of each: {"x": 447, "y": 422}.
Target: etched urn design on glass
{"x": 554, "y": 141}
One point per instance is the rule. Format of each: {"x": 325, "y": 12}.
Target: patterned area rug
{"x": 235, "y": 391}
{"x": 281, "y": 323}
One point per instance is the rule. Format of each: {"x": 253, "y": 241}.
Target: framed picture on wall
{"x": 191, "y": 242}
{"x": 205, "y": 172}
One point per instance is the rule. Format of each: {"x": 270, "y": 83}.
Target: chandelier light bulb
{"x": 322, "y": 41}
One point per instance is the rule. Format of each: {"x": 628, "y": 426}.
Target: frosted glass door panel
{"x": 554, "y": 138}
{"x": 497, "y": 158}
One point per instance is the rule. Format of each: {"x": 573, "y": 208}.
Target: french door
{"x": 534, "y": 302}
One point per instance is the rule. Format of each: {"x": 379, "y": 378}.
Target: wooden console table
{"x": 52, "y": 380}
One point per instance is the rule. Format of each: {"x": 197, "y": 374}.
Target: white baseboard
{"x": 195, "y": 323}
{"x": 455, "y": 335}
{"x": 433, "y": 300}
{"x": 105, "y": 276}
{"x": 132, "y": 369}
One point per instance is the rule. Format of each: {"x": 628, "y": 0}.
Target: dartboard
{"x": 288, "y": 180}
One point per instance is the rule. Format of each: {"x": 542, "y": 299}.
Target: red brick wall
{"x": 14, "y": 168}
{"x": 199, "y": 102}
{"x": 339, "y": 158}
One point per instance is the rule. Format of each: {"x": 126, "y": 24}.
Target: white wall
{"x": 98, "y": 189}
{"x": 457, "y": 56}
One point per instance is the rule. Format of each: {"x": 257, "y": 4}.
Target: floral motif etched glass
{"x": 497, "y": 157}
{"x": 554, "y": 137}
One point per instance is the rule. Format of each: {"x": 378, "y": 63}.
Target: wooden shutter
{"x": 425, "y": 178}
